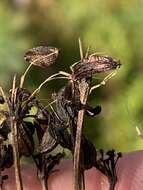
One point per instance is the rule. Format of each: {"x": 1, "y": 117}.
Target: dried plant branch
{"x": 84, "y": 92}
{"x": 13, "y": 124}
{"x": 18, "y": 177}
{"x": 62, "y": 125}
{"x": 24, "y": 75}
{"x": 80, "y": 48}
{"x": 87, "y": 52}
{"x": 14, "y": 134}
{"x": 53, "y": 77}
{"x": 108, "y": 77}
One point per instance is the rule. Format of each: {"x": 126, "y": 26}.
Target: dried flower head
{"x": 42, "y": 56}
{"x": 86, "y": 67}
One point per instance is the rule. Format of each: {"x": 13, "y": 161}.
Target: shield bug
{"x": 42, "y": 56}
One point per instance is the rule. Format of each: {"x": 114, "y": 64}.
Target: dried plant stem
{"x": 24, "y": 75}
{"x": 112, "y": 183}
{"x": 80, "y": 48}
{"x": 78, "y": 179}
{"x": 53, "y": 77}
{"x": 18, "y": 178}
{"x": 84, "y": 91}
{"x": 87, "y": 52}
{"x": 44, "y": 184}
{"x": 108, "y": 77}
{"x": 14, "y": 132}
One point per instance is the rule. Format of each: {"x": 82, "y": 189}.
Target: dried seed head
{"x": 86, "y": 67}
{"x": 103, "y": 62}
{"x": 42, "y": 56}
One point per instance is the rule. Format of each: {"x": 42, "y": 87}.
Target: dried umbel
{"x": 93, "y": 64}
{"x": 42, "y": 56}
{"x": 61, "y": 125}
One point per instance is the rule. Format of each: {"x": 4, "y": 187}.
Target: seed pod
{"x": 42, "y": 56}
{"x": 86, "y": 67}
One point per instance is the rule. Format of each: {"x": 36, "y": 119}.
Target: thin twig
{"x": 48, "y": 105}
{"x": 14, "y": 132}
{"x": 87, "y": 52}
{"x": 24, "y": 75}
{"x": 53, "y": 77}
{"x": 84, "y": 92}
{"x": 80, "y": 48}
{"x": 18, "y": 177}
{"x": 44, "y": 184}
{"x": 78, "y": 172}
{"x": 103, "y": 81}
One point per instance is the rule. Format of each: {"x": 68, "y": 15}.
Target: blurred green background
{"x": 112, "y": 27}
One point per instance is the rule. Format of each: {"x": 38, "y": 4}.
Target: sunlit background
{"x": 112, "y": 27}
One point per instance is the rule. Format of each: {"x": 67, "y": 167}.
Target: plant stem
{"x": 44, "y": 184}
{"x": 112, "y": 183}
{"x": 84, "y": 92}
{"x": 53, "y": 77}
{"x": 13, "y": 122}
{"x": 18, "y": 178}
{"x": 24, "y": 75}
{"x": 14, "y": 134}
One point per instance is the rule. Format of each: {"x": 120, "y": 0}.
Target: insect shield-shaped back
{"x": 86, "y": 67}
{"x": 42, "y": 56}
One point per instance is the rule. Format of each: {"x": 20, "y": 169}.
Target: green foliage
{"x": 12, "y": 43}
{"x": 113, "y": 27}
